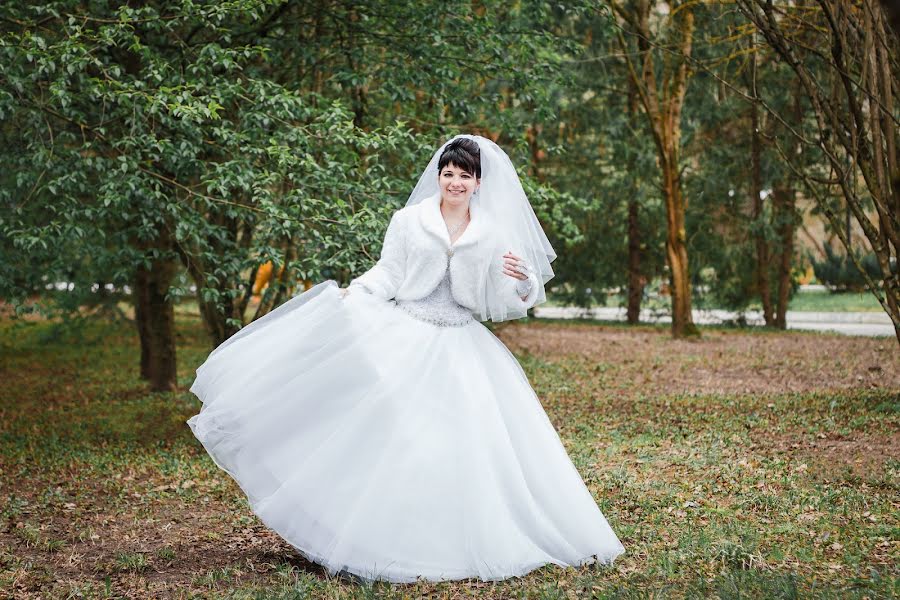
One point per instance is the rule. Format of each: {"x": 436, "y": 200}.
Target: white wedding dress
{"x": 395, "y": 441}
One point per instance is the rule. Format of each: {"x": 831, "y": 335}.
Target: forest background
{"x": 157, "y": 151}
{"x": 172, "y": 170}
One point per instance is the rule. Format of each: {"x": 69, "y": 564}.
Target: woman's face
{"x": 456, "y": 185}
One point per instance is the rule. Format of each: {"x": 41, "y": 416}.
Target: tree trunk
{"x": 784, "y": 208}
{"x": 635, "y": 279}
{"x": 759, "y": 235}
{"x": 138, "y": 297}
{"x": 892, "y": 13}
{"x": 677, "y": 255}
{"x": 663, "y": 103}
{"x": 155, "y": 318}
{"x": 214, "y": 317}
{"x": 216, "y": 314}
{"x": 532, "y": 134}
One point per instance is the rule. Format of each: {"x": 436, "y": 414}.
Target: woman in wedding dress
{"x": 381, "y": 429}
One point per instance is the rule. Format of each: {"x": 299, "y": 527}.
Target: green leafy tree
{"x": 133, "y": 150}
{"x": 145, "y": 140}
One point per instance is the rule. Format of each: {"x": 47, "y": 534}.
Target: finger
{"x": 514, "y": 275}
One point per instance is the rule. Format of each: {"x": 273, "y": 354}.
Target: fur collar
{"x": 433, "y": 222}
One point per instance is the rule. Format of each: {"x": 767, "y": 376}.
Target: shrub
{"x": 840, "y": 273}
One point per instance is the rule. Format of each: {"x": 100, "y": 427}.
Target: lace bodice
{"x": 438, "y": 307}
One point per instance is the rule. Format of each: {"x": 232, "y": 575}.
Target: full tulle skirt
{"x": 391, "y": 448}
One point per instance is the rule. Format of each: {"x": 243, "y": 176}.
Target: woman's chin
{"x": 455, "y": 199}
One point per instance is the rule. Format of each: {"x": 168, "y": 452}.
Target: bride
{"x": 381, "y": 429}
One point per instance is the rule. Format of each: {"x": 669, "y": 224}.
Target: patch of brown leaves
{"x": 834, "y": 457}
{"x": 720, "y": 361}
{"x": 179, "y": 541}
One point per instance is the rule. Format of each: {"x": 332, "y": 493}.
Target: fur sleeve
{"x": 506, "y": 286}
{"x": 384, "y": 279}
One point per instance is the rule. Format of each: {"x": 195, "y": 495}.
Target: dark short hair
{"x": 463, "y": 153}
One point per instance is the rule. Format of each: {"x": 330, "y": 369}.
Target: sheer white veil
{"x": 509, "y": 224}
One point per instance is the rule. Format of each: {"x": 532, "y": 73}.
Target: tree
{"x": 595, "y": 152}
{"x": 151, "y": 137}
{"x": 216, "y": 138}
{"x": 661, "y": 79}
{"x": 841, "y": 54}
{"x": 745, "y": 199}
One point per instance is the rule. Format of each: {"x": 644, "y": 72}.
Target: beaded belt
{"x": 440, "y": 315}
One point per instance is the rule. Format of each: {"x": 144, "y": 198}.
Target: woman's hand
{"x": 514, "y": 266}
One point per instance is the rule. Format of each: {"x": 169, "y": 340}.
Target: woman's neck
{"x": 454, "y": 213}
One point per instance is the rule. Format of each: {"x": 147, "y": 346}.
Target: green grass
{"x": 803, "y": 301}
{"x": 104, "y": 492}
{"x": 839, "y": 302}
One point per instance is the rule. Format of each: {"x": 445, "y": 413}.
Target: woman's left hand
{"x": 514, "y": 266}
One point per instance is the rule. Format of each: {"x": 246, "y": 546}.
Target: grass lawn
{"x": 828, "y": 302}
{"x": 803, "y": 301}
{"x": 740, "y": 465}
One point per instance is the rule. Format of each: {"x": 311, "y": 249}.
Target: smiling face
{"x": 457, "y": 184}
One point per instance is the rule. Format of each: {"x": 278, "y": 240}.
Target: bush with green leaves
{"x": 839, "y": 272}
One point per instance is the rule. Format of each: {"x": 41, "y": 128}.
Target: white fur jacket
{"x": 416, "y": 252}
